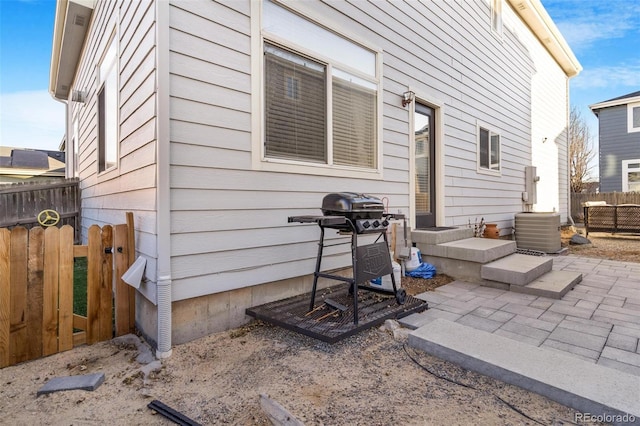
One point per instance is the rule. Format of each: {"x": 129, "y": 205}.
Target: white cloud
{"x": 582, "y": 23}
{"x": 612, "y": 76}
{"x": 31, "y": 119}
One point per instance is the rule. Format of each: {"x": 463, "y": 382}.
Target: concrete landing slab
{"x": 517, "y": 269}
{"x": 553, "y": 284}
{"x": 581, "y": 385}
{"x": 88, "y": 382}
{"x": 479, "y": 250}
{"x": 433, "y": 237}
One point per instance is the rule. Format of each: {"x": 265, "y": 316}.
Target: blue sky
{"x": 29, "y": 117}
{"x": 603, "y": 34}
{"x": 605, "y": 37}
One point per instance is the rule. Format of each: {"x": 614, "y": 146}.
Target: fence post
{"x": 50, "y": 291}
{"x": 94, "y": 268}
{"x": 106, "y": 285}
{"x": 5, "y": 296}
{"x": 35, "y": 286}
{"x": 65, "y": 314}
{"x": 122, "y": 299}
{"x": 18, "y": 303}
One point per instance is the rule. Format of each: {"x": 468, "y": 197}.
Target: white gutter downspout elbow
{"x": 163, "y": 191}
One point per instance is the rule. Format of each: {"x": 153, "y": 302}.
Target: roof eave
{"x": 613, "y": 103}
{"x": 70, "y": 29}
{"x": 533, "y": 13}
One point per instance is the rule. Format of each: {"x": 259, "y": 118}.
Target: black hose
{"x": 514, "y": 408}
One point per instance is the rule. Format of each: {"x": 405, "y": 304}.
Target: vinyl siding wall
{"x": 616, "y": 144}
{"x": 229, "y": 222}
{"x": 107, "y": 196}
{"x": 549, "y": 133}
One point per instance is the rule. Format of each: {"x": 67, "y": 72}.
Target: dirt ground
{"x": 622, "y": 247}
{"x": 368, "y": 379}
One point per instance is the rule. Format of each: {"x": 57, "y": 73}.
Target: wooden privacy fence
{"x": 37, "y": 287}
{"x": 20, "y": 203}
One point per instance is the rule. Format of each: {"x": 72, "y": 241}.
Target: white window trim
{"x": 496, "y": 9}
{"x": 625, "y": 172}
{"x": 113, "y": 42}
{"x": 630, "y": 107}
{"x": 258, "y": 157}
{"x": 492, "y": 132}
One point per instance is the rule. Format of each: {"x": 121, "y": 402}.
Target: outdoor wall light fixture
{"x": 407, "y": 98}
{"x": 544, "y": 140}
{"x": 79, "y": 96}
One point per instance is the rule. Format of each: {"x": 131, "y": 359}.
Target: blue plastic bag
{"x": 425, "y": 270}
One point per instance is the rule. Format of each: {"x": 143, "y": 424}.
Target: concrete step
{"x": 439, "y": 235}
{"x": 581, "y": 385}
{"x": 516, "y": 269}
{"x": 553, "y": 284}
{"x": 478, "y": 250}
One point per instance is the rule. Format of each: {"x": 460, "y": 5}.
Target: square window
{"x": 488, "y": 150}
{"x": 631, "y": 175}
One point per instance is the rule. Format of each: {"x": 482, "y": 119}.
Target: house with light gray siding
{"x": 213, "y": 121}
{"x": 619, "y": 143}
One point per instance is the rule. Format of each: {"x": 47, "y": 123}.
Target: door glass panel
{"x": 424, "y": 166}
{"x": 422, "y": 163}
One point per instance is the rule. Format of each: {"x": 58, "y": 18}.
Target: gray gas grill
{"x": 355, "y": 214}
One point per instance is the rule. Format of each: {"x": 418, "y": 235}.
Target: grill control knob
{"x": 385, "y": 223}
{"x": 366, "y": 224}
{"x": 376, "y": 224}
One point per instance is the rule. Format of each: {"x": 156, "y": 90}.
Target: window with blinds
{"x": 295, "y": 100}
{"x": 354, "y": 124}
{"x": 320, "y": 94}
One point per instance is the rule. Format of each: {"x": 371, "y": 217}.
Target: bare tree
{"x": 580, "y": 150}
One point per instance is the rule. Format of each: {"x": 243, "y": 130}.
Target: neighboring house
{"x": 213, "y": 121}
{"x": 619, "y": 141}
{"x": 30, "y": 165}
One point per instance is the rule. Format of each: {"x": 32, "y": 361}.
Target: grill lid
{"x": 352, "y": 205}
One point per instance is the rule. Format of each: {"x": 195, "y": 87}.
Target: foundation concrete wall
{"x": 201, "y": 316}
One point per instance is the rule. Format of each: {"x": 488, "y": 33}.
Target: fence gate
{"x": 37, "y": 289}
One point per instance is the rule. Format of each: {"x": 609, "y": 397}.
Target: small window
{"x": 633, "y": 117}
{"x": 108, "y": 110}
{"x": 488, "y": 150}
{"x": 631, "y": 175}
{"x": 496, "y": 17}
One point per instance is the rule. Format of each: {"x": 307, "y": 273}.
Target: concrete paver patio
{"x": 598, "y": 321}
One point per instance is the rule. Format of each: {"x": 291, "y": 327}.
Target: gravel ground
{"x": 622, "y": 247}
{"x": 367, "y": 379}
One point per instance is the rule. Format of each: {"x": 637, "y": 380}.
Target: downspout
{"x": 61, "y": 7}
{"x": 568, "y": 114}
{"x": 163, "y": 191}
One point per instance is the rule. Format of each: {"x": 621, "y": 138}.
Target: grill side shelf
{"x": 320, "y": 220}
